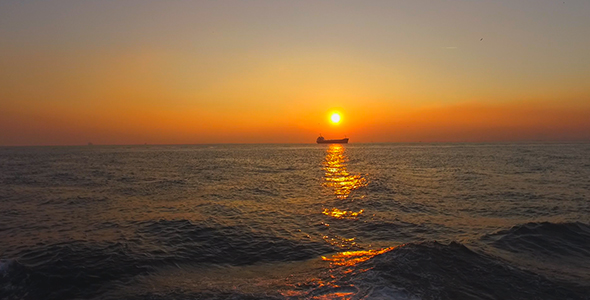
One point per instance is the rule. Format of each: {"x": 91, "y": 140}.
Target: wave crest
{"x": 547, "y": 239}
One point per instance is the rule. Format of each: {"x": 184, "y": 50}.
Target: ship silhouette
{"x": 322, "y": 140}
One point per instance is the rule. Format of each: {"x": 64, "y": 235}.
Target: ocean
{"x": 274, "y": 221}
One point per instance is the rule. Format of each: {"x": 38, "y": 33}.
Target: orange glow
{"x": 342, "y": 214}
{"x": 342, "y": 242}
{"x": 351, "y": 258}
{"x": 128, "y": 122}
{"x": 189, "y": 78}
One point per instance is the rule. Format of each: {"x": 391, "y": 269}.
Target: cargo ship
{"x": 322, "y": 140}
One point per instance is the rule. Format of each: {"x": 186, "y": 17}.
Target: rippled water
{"x": 374, "y": 221}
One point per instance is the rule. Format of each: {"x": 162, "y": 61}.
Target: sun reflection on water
{"x": 342, "y": 184}
{"x": 336, "y": 175}
{"x": 342, "y": 214}
{"x": 344, "y": 208}
{"x": 351, "y": 258}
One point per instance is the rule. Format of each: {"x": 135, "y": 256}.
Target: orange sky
{"x": 454, "y": 123}
{"x": 269, "y": 72}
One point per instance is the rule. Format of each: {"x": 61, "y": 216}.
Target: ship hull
{"x": 341, "y": 141}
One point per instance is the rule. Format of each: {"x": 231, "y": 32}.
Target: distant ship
{"x": 322, "y": 140}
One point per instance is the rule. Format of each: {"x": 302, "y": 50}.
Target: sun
{"x": 335, "y": 117}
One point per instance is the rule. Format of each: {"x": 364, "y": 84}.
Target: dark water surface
{"x": 374, "y": 221}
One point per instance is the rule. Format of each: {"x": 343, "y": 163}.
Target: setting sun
{"x": 335, "y": 118}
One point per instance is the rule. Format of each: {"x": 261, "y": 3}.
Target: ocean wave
{"x": 14, "y": 279}
{"x": 431, "y": 270}
{"x": 82, "y": 269}
{"x": 68, "y": 270}
{"x": 547, "y": 239}
{"x": 236, "y": 245}
{"x": 398, "y": 230}
{"x": 212, "y": 295}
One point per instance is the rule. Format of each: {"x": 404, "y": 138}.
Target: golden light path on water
{"x": 336, "y": 175}
{"x": 343, "y": 185}
{"x": 335, "y": 270}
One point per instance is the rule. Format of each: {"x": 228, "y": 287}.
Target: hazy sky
{"x": 128, "y": 72}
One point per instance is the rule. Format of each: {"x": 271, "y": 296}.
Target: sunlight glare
{"x": 335, "y": 118}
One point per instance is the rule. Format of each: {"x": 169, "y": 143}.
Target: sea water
{"x": 356, "y": 221}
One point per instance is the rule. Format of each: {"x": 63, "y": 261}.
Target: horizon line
{"x": 310, "y": 143}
